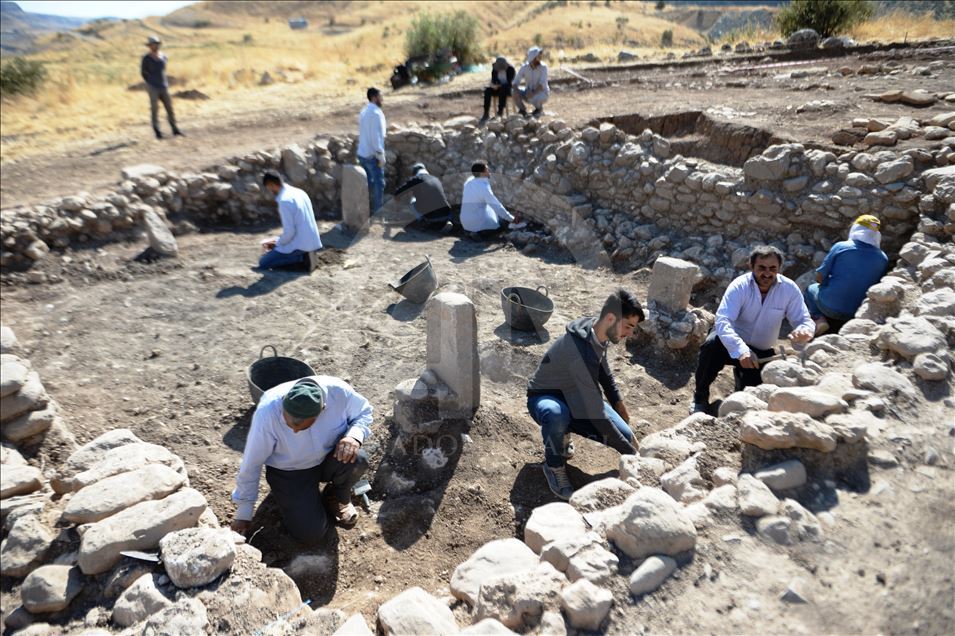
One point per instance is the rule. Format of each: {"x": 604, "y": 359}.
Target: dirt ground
{"x": 738, "y": 89}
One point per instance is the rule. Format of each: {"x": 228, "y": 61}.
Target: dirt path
{"x": 731, "y": 91}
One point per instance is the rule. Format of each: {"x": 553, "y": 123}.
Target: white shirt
{"x": 272, "y": 443}
{"x": 299, "y": 231}
{"x": 534, "y": 78}
{"x": 371, "y": 132}
{"x": 480, "y": 209}
{"x": 745, "y": 319}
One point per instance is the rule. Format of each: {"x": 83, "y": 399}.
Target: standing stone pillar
{"x": 452, "y": 353}
{"x": 671, "y": 283}
{"x": 356, "y": 207}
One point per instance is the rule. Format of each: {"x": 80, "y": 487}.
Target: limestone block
{"x": 651, "y": 574}
{"x": 755, "y": 498}
{"x": 29, "y": 424}
{"x": 142, "y": 171}
{"x": 495, "y": 558}
{"x": 414, "y": 611}
{"x": 808, "y": 400}
{"x": 25, "y": 546}
{"x": 108, "y": 496}
{"x": 160, "y": 238}
{"x": 197, "y": 556}
{"x": 653, "y": 524}
{"x": 19, "y": 480}
{"x": 139, "y": 601}
{"x": 356, "y": 206}
{"x": 50, "y": 588}
{"x": 521, "y": 598}
{"x": 8, "y": 340}
{"x": 186, "y": 616}
{"x": 30, "y": 397}
{"x": 671, "y": 283}
{"x": 784, "y": 475}
{"x": 354, "y": 626}
{"x": 586, "y": 604}
{"x": 13, "y": 374}
{"x": 601, "y": 494}
{"x": 295, "y": 164}
{"x": 120, "y": 460}
{"x": 771, "y": 429}
{"x": 452, "y": 349}
{"x": 551, "y": 522}
{"x": 93, "y": 451}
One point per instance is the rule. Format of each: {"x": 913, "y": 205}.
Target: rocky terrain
{"x": 820, "y": 500}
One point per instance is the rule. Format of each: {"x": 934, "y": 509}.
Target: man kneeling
{"x": 305, "y": 432}
{"x": 563, "y": 396}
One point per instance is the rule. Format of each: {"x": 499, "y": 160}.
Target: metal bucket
{"x": 417, "y": 284}
{"x": 526, "y": 309}
{"x": 266, "y": 373}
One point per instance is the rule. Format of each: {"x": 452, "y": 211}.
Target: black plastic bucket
{"x": 526, "y": 309}
{"x": 266, "y": 373}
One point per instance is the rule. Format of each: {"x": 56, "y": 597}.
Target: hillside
{"x": 20, "y": 28}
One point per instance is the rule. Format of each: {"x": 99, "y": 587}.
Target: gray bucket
{"x": 526, "y": 309}
{"x": 266, "y": 373}
{"x": 417, "y": 284}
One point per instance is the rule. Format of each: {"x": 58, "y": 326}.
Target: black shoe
{"x": 522, "y": 112}
{"x": 537, "y": 112}
{"x": 158, "y": 133}
{"x": 178, "y": 133}
{"x": 483, "y": 120}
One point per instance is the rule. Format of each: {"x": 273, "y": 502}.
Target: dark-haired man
{"x": 153, "y": 71}
{"x": 299, "y": 231}
{"x": 564, "y": 394}
{"x": 428, "y": 200}
{"x": 502, "y": 79}
{"x": 481, "y": 213}
{"x": 371, "y": 146}
{"x": 747, "y": 324}
{"x": 305, "y": 432}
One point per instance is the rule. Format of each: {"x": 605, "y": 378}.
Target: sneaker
{"x": 537, "y": 112}
{"x": 346, "y": 515}
{"x": 699, "y": 407}
{"x": 158, "y": 133}
{"x": 178, "y": 133}
{"x": 483, "y": 120}
{"x": 558, "y": 481}
{"x": 568, "y": 452}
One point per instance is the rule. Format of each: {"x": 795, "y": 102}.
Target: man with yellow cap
{"x": 843, "y": 279}
{"x": 305, "y": 432}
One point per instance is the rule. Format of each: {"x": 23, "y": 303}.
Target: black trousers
{"x": 713, "y": 357}
{"x": 299, "y": 498}
{"x": 491, "y": 91}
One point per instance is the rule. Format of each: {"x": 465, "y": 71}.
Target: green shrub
{"x": 666, "y": 38}
{"x": 201, "y": 24}
{"x": 661, "y": 5}
{"x": 247, "y": 38}
{"x": 457, "y": 31}
{"x": 827, "y": 17}
{"x": 20, "y": 76}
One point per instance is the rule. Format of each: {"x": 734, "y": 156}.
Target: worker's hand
{"x": 800, "y": 337}
{"x": 621, "y": 410}
{"x": 269, "y": 246}
{"x": 241, "y": 526}
{"x": 748, "y": 361}
{"x": 347, "y": 450}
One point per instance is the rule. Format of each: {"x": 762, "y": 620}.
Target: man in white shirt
{"x": 748, "y": 322}
{"x": 299, "y": 231}
{"x": 481, "y": 212}
{"x": 371, "y": 146}
{"x": 305, "y": 432}
{"x": 534, "y": 75}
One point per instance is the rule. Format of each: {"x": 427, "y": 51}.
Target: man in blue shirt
{"x": 843, "y": 279}
{"x": 305, "y": 432}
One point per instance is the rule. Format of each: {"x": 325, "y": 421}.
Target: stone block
{"x": 452, "y": 351}
{"x": 356, "y": 206}
{"x": 671, "y": 283}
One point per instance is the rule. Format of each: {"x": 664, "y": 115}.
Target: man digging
{"x": 305, "y": 432}
{"x": 564, "y": 394}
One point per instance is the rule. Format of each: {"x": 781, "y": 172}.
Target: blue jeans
{"x": 376, "y": 180}
{"x": 553, "y": 416}
{"x": 275, "y": 258}
{"x": 816, "y": 310}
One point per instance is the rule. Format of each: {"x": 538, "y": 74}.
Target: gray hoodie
{"x": 575, "y": 369}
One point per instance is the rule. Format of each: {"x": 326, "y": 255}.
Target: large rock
{"x": 875, "y": 376}
{"x": 161, "y": 239}
{"x": 50, "y": 588}
{"x": 138, "y": 528}
{"x": 295, "y": 164}
{"x": 26, "y": 545}
{"x": 142, "y": 171}
{"x": 487, "y": 627}
{"x": 414, "y": 611}
{"x": 95, "y": 450}
{"x": 197, "y": 556}
{"x": 139, "y": 601}
{"x": 502, "y": 556}
{"x": 651, "y": 574}
{"x": 909, "y": 336}
{"x": 671, "y": 444}
{"x": 771, "y": 429}
{"x": 740, "y": 402}
{"x": 19, "y": 480}
{"x": 104, "y": 498}
{"x": 671, "y": 283}
{"x": 120, "y": 460}
{"x": 601, "y": 494}
{"x": 356, "y": 206}
{"x": 8, "y": 340}
{"x": 520, "y": 599}
{"x": 187, "y": 617}
{"x": 772, "y": 165}
{"x": 803, "y": 39}
{"x": 452, "y": 351}
{"x": 653, "y": 524}
{"x": 931, "y": 367}
{"x": 13, "y": 374}
{"x": 354, "y": 626}
{"x": 784, "y": 475}
{"x": 585, "y": 604}
{"x": 894, "y": 170}
{"x": 552, "y": 522}
{"x": 940, "y": 302}
{"x": 684, "y": 483}
{"x": 785, "y": 373}
{"x": 581, "y": 557}
{"x": 808, "y": 400}
{"x": 30, "y": 424}
{"x": 30, "y": 397}
{"x": 755, "y": 497}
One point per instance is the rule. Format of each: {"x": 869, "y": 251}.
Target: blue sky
{"x": 103, "y": 9}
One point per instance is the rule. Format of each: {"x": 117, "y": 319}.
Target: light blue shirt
{"x": 480, "y": 209}
{"x": 299, "y": 231}
{"x": 850, "y": 269}
{"x": 272, "y": 443}
{"x": 371, "y": 133}
{"x": 745, "y": 319}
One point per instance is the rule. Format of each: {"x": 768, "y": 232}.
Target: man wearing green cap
{"x": 305, "y": 432}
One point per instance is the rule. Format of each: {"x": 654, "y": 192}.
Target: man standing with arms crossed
{"x": 153, "y": 70}
{"x": 371, "y": 146}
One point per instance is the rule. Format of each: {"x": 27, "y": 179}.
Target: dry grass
{"x": 900, "y": 26}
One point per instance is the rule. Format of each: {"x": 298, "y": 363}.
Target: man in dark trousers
{"x": 502, "y": 77}
{"x": 564, "y": 394}
{"x": 428, "y": 200}
{"x": 305, "y": 432}
{"x": 153, "y": 70}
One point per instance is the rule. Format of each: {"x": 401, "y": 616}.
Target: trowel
{"x": 360, "y": 489}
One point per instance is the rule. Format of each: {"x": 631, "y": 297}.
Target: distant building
{"x": 298, "y": 23}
